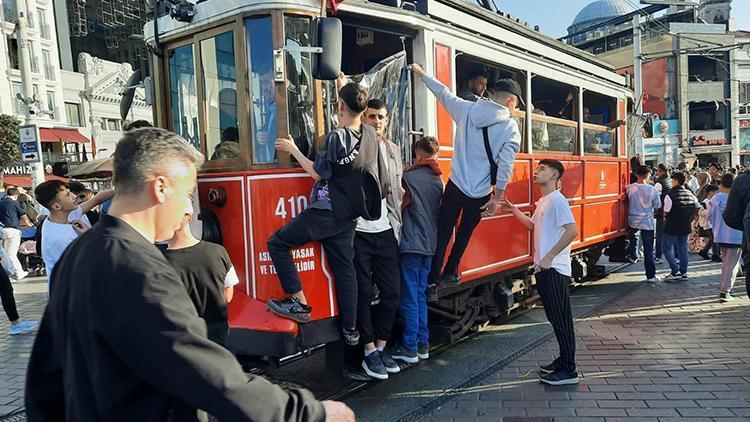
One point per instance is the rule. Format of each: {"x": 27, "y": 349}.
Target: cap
{"x": 509, "y": 85}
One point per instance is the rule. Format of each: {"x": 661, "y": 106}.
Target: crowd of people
{"x": 116, "y": 313}
{"x": 681, "y": 210}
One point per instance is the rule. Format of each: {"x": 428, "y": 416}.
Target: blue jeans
{"x": 659, "y": 237}
{"x": 415, "y": 269}
{"x": 679, "y": 243}
{"x": 647, "y": 238}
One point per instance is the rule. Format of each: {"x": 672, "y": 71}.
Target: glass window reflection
{"x": 183, "y": 94}
{"x": 299, "y": 83}
{"x": 263, "y": 106}
{"x": 220, "y": 97}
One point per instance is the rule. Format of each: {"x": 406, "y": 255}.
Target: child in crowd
{"x": 706, "y": 227}
{"x": 420, "y": 207}
{"x": 728, "y": 239}
{"x": 643, "y": 199}
{"x": 67, "y": 219}
{"x": 208, "y": 275}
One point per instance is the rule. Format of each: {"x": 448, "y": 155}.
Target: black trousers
{"x": 453, "y": 205}
{"x": 553, "y": 289}
{"x": 6, "y": 296}
{"x": 376, "y": 261}
{"x": 710, "y": 245}
{"x": 337, "y": 237}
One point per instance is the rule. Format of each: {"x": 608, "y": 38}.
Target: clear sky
{"x": 554, "y": 16}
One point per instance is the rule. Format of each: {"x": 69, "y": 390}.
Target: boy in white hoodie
{"x": 484, "y": 149}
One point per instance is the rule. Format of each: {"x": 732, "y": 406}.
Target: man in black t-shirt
{"x": 208, "y": 275}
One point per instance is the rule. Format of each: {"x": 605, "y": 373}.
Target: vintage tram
{"x": 240, "y": 74}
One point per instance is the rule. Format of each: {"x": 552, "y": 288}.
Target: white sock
{"x": 369, "y": 352}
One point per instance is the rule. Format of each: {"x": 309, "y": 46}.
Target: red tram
{"x": 241, "y": 72}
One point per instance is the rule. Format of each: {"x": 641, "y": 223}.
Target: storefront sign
{"x": 744, "y": 136}
{"x": 17, "y": 170}
{"x": 665, "y": 127}
{"x": 702, "y": 141}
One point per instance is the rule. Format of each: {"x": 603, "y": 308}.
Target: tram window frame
{"x": 610, "y": 115}
{"x": 543, "y": 121}
{"x": 472, "y": 62}
{"x": 236, "y": 27}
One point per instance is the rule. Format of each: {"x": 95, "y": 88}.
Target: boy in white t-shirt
{"x": 554, "y": 229}
{"x": 67, "y": 219}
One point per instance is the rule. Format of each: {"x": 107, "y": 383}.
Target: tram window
{"x": 183, "y": 94}
{"x": 553, "y": 128}
{"x": 220, "y": 97}
{"x": 300, "y": 84}
{"x": 599, "y": 124}
{"x": 263, "y": 107}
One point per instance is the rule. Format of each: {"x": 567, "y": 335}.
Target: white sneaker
{"x": 654, "y": 279}
{"x": 21, "y": 275}
{"x": 23, "y": 327}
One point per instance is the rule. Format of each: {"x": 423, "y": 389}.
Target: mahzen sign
{"x": 702, "y": 141}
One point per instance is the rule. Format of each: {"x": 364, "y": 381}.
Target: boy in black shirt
{"x": 208, "y": 275}
{"x": 348, "y": 185}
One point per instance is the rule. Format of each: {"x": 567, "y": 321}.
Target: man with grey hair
{"x": 120, "y": 338}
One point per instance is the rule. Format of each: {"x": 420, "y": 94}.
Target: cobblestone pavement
{"x": 31, "y": 298}
{"x": 666, "y": 352}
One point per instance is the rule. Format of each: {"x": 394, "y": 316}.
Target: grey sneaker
{"x": 423, "y": 351}
{"x": 408, "y": 356}
{"x": 726, "y": 297}
{"x": 390, "y": 365}
{"x": 374, "y": 367}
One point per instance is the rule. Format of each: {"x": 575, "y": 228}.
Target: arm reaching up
{"x": 455, "y": 106}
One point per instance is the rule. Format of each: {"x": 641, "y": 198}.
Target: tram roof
{"x": 432, "y": 14}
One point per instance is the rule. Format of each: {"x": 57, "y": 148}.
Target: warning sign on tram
{"x": 27, "y": 139}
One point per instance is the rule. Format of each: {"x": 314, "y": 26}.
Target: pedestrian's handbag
{"x": 488, "y": 150}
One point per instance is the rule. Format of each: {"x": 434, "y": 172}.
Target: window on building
{"x": 51, "y": 104}
{"x": 49, "y": 73}
{"x": 112, "y": 125}
{"x": 73, "y": 111}
{"x": 744, "y": 98}
{"x": 13, "y": 52}
{"x": 44, "y": 29}
{"x": 18, "y": 105}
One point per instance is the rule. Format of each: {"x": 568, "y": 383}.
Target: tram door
{"x": 377, "y": 59}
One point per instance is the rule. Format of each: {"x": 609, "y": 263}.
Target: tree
{"x": 9, "y": 150}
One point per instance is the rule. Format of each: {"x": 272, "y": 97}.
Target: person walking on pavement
{"x": 554, "y": 228}
{"x": 376, "y": 256}
{"x": 12, "y": 218}
{"x": 120, "y": 339}
{"x": 643, "y": 199}
{"x": 728, "y": 239}
{"x": 484, "y": 150}
{"x": 680, "y": 205}
{"x": 737, "y": 216}
{"x": 350, "y": 182}
{"x": 662, "y": 186}
{"x": 421, "y": 205}
{"x": 17, "y": 325}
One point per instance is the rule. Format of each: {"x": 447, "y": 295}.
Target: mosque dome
{"x": 600, "y": 11}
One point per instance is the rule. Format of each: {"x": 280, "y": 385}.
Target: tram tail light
{"x": 217, "y": 196}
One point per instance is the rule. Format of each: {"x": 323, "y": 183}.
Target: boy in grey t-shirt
{"x": 643, "y": 200}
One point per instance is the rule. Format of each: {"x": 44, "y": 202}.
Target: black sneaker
{"x": 704, "y": 255}
{"x": 716, "y": 258}
{"x": 632, "y": 260}
{"x": 374, "y": 367}
{"x": 375, "y": 299}
{"x": 351, "y": 337}
{"x": 726, "y": 297}
{"x": 560, "y": 377}
{"x": 390, "y": 365}
{"x": 451, "y": 280}
{"x": 290, "y": 308}
{"x": 683, "y": 277}
{"x": 432, "y": 295}
{"x": 423, "y": 351}
{"x": 552, "y": 367}
{"x": 408, "y": 356}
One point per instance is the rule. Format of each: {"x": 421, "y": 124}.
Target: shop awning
{"x": 61, "y": 135}
{"x": 101, "y": 167}
{"x": 24, "y": 181}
